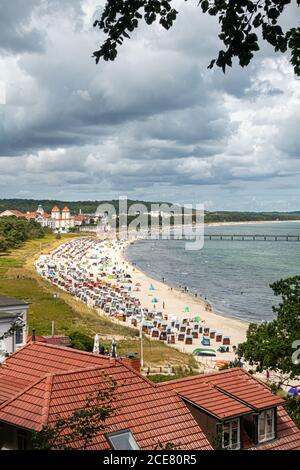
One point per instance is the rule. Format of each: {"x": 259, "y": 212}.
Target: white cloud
{"x": 155, "y": 123}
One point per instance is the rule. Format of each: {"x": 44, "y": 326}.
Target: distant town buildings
{"x": 58, "y": 221}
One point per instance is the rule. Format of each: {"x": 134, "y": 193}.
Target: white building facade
{"x": 13, "y": 313}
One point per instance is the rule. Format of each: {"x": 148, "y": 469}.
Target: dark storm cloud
{"x": 17, "y": 35}
{"x": 154, "y": 121}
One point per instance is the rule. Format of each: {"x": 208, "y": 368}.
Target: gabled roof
{"x": 11, "y": 302}
{"x": 57, "y": 381}
{"x": 32, "y": 215}
{"x": 12, "y": 212}
{"x": 225, "y": 394}
{"x": 55, "y": 209}
{"x": 60, "y": 340}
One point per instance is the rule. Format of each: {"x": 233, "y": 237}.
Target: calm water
{"x": 234, "y": 276}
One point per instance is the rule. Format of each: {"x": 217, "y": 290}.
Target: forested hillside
{"x": 15, "y": 231}
{"x": 89, "y": 207}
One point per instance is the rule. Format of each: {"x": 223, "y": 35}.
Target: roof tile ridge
{"x": 231, "y": 395}
{"x": 66, "y": 348}
{"x": 29, "y": 387}
{"x": 197, "y": 376}
{"x": 46, "y": 401}
{"x": 5, "y": 363}
{"x": 260, "y": 381}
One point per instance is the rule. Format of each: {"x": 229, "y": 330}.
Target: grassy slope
{"x": 19, "y": 279}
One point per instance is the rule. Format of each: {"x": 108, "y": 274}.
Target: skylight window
{"x": 122, "y": 440}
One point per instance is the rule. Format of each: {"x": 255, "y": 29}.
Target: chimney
{"x": 33, "y": 335}
{"x": 132, "y": 360}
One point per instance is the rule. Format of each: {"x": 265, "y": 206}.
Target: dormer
{"x": 235, "y": 410}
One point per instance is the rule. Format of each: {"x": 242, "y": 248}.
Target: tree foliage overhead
{"x": 270, "y": 345}
{"x": 240, "y": 22}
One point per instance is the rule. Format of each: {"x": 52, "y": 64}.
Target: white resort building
{"x": 62, "y": 221}
{"x": 58, "y": 221}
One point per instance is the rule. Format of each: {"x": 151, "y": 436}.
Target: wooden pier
{"x": 251, "y": 237}
{"x": 232, "y": 237}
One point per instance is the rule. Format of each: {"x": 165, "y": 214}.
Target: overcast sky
{"x": 154, "y": 125}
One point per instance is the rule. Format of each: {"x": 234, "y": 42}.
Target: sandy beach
{"x": 174, "y": 302}
{"x": 155, "y": 296}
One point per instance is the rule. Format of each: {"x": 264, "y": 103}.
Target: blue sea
{"x": 234, "y": 276}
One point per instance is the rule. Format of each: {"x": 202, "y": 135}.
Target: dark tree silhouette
{"x": 240, "y": 21}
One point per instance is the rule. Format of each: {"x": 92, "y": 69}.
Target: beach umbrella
{"x": 96, "y": 345}
{"x": 186, "y": 309}
{"x": 155, "y": 300}
{"x": 138, "y": 284}
{"x": 151, "y": 287}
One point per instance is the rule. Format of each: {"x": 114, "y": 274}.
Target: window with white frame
{"x": 266, "y": 425}
{"x": 231, "y": 434}
{"x": 122, "y": 440}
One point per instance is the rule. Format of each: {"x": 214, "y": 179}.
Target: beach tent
{"x": 205, "y": 341}
{"x": 223, "y": 349}
{"x": 154, "y": 300}
{"x": 151, "y": 287}
{"x": 204, "y": 352}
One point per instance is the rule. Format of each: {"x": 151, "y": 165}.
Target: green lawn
{"x": 19, "y": 279}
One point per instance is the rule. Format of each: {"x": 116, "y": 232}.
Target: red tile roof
{"x": 16, "y": 213}
{"x": 81, "y": 217}
{"x": 225, "y": 394}
{"x": 60, "y": 340}
{"x": 31, "y": 215}
{"x": 56, "y": 381}
{"x": 41, "y": 381}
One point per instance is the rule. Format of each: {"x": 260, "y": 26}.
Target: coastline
{"x": 191, "y": 296}
{"x": 172, "y": 296}
{"x": 175, "y": 302}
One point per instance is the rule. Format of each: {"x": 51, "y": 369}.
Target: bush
{"x": 14, "y": 231}
{"x": 81, "y": 341}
